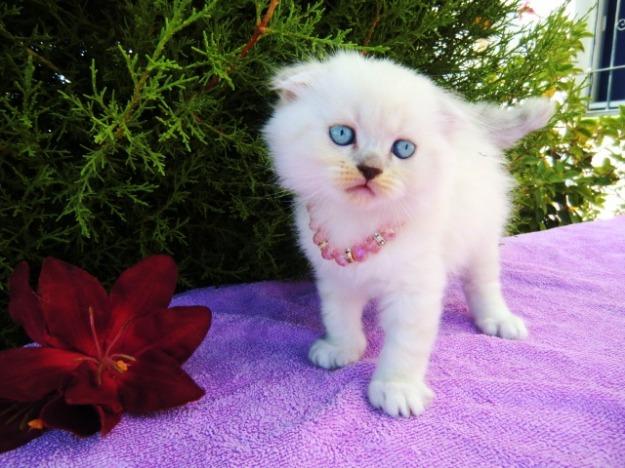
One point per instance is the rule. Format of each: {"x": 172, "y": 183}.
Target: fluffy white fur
{"x": 451, "y": 195}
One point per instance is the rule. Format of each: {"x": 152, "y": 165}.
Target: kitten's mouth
{"x": 362, "y": 190}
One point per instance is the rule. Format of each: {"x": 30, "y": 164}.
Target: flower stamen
{"x": 123, "y": 356}
{"x": 17, "y": 413}
{"x": 98, "y": 376}
{"x": 36, "y": 424}
{"x": 120, "y": 333}
{"x": 104, "y": 360}
{"x": 121, "y": 366}
{"x": 94, "y": 333}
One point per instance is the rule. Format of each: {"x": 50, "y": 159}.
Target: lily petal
{"x": 108, "y": 419}
{"x": 82, "y": 420}
{"x": 29, "y": 374}
{"x": 67, "y": 294}
{"x": 157, "y": 382}
{"x": 144, "y": 288}
{"x": 24, "y": 306}
{"x": 14, "y": 430}
{"x": 83, "y": 389}
{"x": 104, "y": 398}
{"x": 177, "y": 332}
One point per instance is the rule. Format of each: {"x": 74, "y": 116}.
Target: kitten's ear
{"x": 506, "y": 126}
{"x": 291, "y": 81}
{"x": 454, "y": 112}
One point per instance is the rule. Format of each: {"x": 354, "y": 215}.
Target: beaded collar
{"x": 356, "y": 253}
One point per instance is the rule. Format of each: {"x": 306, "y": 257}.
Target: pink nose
{"x": 368, "y": 171}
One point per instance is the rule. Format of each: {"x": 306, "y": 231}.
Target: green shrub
{"x": 132, "y": 127}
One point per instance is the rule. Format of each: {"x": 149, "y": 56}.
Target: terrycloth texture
{"x": 556, "y": 399}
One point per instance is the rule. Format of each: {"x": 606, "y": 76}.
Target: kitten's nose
{"x": 368, "y": 171}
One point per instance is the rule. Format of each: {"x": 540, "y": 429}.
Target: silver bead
{"x": 378, "y": 238}
{"x": 348, "y": 256}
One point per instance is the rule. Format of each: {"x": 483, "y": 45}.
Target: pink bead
{"x": 388, "y": 234}
{"x": 372, "y": 245}
{"x": 339, "y": 258}
{"x": 318, "y": 238}
{"x": 327, "y": 253}
{"x": 359, "y": 253}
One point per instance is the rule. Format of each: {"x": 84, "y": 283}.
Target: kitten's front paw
{"x": 400, "y": 398}
{"x": 508, "y": 326}
{"x": 330, "y": 356}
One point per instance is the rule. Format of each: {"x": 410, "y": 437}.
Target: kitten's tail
{"x": 505, "y": 126}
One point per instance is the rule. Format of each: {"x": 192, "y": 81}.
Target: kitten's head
{"x": 369, "y": 133}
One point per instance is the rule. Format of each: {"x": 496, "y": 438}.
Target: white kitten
{"x": 369, "y": 146}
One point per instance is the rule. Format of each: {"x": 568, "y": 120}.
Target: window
{"x": 607, "y": 85}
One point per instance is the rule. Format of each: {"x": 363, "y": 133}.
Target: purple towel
{"x": 556, "y": 399}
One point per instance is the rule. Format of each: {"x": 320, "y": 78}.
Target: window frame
{"x": 607, "y": 106}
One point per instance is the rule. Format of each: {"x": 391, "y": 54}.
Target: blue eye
{"x": 342, "y": 135}
{"x": 403, "y": 149}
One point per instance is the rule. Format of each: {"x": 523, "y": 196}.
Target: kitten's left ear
{"x": 291, "y": 81}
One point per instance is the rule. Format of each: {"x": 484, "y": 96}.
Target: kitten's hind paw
{"x": 508, "y": 326}
{"x": 330, "y": 356}
{"x": 399, "y": 398}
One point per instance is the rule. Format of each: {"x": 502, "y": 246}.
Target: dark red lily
{"x": 100, "y": 354}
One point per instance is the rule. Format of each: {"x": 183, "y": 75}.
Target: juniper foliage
{"x": 132, "y": 127}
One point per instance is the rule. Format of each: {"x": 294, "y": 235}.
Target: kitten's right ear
{"x": 292, "y": 80}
